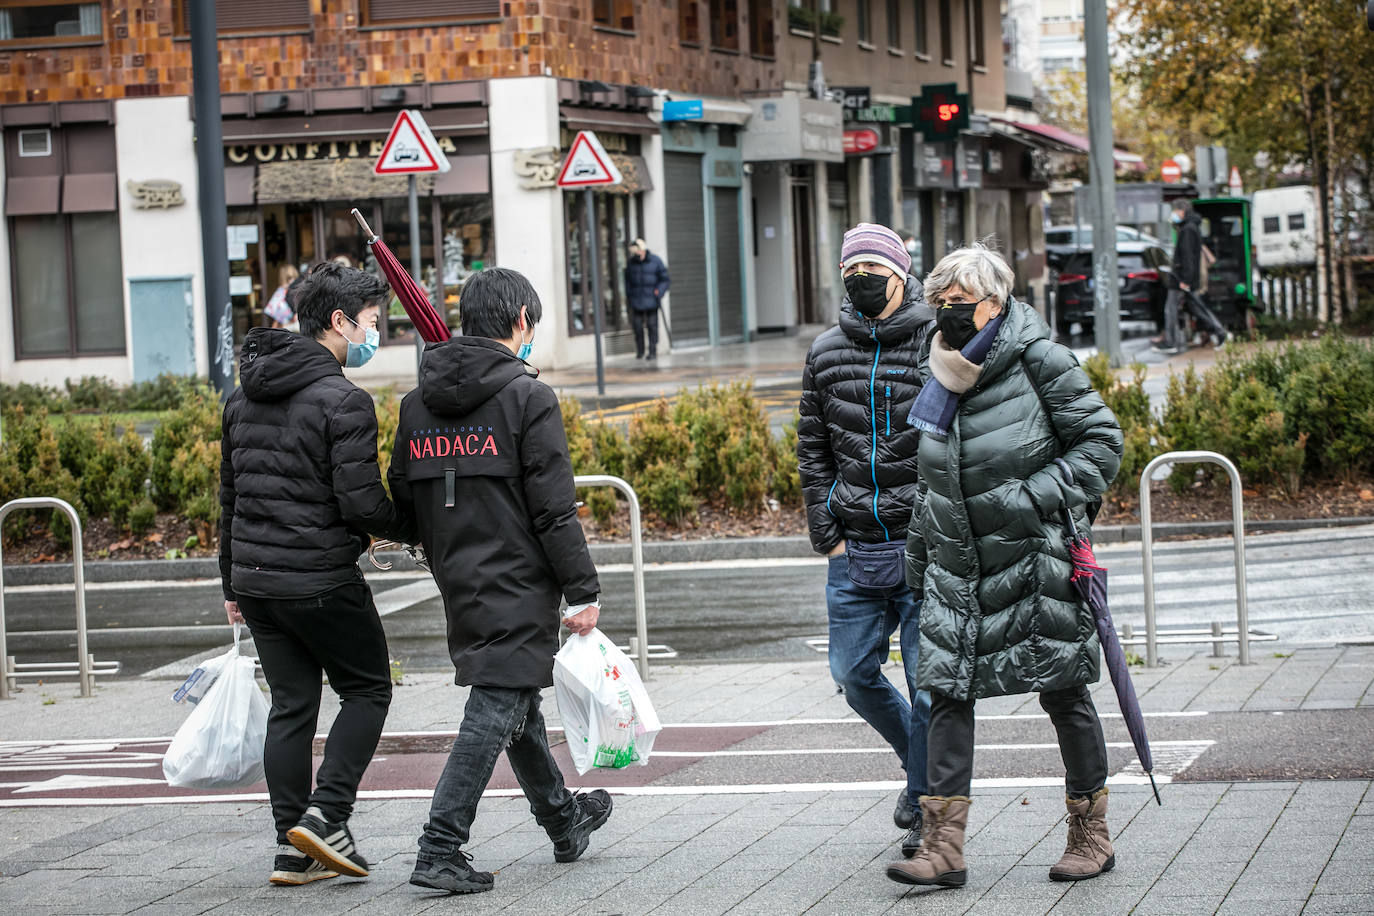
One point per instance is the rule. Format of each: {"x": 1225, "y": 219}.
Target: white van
{"x": 1284, "y": 226}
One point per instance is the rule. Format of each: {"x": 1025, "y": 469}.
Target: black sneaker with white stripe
{"x": 292, "y": 867}
{"x": 329, "y": 844}
{"x": 593, "y": 809}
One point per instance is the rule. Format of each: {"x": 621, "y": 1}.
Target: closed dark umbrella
{"x": 413, "y": 298}
{"x": 1090, "y": 580}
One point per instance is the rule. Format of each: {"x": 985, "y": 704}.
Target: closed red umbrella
{"x": 428, "y": 324}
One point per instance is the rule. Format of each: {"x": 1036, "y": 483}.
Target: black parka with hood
{"x": 481, "y": 460}
{"x": 856, "y": 454}
{"x": 300, "y": 489}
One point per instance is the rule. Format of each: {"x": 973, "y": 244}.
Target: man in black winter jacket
{"x": 646, "y": 282}
{"x": 481, "y": 461}
{"x": 300, "y": 491}
{"x": 857, "y": 458}
{"x": 1187, "y": 272}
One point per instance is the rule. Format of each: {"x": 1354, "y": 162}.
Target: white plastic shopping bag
{"x": 220, "y": 744}
{"x": 607, "y": 717}
{"x": 198, "y": 682}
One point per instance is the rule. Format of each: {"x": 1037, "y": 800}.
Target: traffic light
{"x": 941, "y": 111}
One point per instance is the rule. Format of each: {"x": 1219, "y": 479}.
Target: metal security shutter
{"x": 686, "y": 248}
{"x": 725, "y": 202}
{"x": 430, "y": 10}
{"x": 253, "y": 15}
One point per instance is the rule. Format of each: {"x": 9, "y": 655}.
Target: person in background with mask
{"x": 1186, "y": 274}
{"x": 1004, "y": 414}
{"x": 300, "y": 491}
{"x": 481, "y": 461}
{"x": 646, "y": 282}
{"x": 857, "y": 459}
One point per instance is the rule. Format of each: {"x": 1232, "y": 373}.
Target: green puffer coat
{"x": 986, "y": 547}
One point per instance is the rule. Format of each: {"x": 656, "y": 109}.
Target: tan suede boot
{"x": 1089, "y": 851}
{"x": 940, "y": 860}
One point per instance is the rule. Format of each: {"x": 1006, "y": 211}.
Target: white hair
{"x": 977, "y": 269}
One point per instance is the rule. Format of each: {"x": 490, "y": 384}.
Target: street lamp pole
{"x": 1106, "y": 298}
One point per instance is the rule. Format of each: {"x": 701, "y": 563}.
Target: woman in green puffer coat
{"x": 987, "y": 552}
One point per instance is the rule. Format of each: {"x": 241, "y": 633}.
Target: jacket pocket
{"x": 877, "y": 566}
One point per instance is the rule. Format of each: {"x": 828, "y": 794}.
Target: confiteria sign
{"x": 324, "y": 149}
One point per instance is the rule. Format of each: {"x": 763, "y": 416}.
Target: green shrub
{"x": 47, "y": 477}
{"x": 1140, "y": 429}
{"x": 31, "y": 398}
{"x": 786, "y": 473}
{"x": 93, "y": 393}
{"x": 142, "y": 517}
{"x": 388, "y": 407}
{"x": 195, "y": 421}
{"x": 731, "y": 442}
{"x": 660, "y": 462}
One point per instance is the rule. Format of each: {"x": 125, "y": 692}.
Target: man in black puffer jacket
{"x": 300, "y": 490}
{"x": 857, "y": 458}
{"x": 481, "y": 460}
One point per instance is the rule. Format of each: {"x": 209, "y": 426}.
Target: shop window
{"x": 946, "y": 33}
{"x": 1296, "y": 222}
{"x": 863, "y": 21}
{"x": 250, "y": 16}
{"x": 619, "y": 219}
{"x": 467, "y": 247}
{"x": 979, "y": 30}
{"x": 725, "y": 24}
{"x": 922, "y": 29}
{"x": 391, "y": 12}
{"x": 43, "y": 22}
{"x": 688, "y": 25}
{"x": 761, "y": 28}
{"x": 614, "y": 14}
{"x": 894, "y": 23}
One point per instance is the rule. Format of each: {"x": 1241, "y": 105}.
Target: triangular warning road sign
{"x": 587, "y": 164}
{"x": 410, "y": 148}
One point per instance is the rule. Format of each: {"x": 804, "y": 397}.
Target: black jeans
{"x": 340, "y": 634}
{"x": 645, "y": 324}
{"x": 496, "y": 719}
{"x": 1081, "y": 744}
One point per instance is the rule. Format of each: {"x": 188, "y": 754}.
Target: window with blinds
{"x": 250, "y": 15}
{"x": 380, "y": 12}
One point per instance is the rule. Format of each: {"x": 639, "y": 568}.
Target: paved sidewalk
{"x": 1215, "y": 847}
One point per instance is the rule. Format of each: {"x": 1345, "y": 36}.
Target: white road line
{"x": 827, "y": 751}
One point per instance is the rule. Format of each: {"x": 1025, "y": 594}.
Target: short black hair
{"x": 332, "y": 286}
{"x": 1183, "y": 205}
{"x": 491, "y": 300}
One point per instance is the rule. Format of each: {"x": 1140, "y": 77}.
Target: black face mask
{"x": 867, "y": 292}
{"x": 956, "y": 324}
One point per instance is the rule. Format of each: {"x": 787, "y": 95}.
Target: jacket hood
{"x": 1021, "y": 327}
{"x": 899, "y": 326}
{"x": 459, "y": 375}
{"x": 276, "y": 363}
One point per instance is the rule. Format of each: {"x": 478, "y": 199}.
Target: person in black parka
{"x": 646, "y": 282}
{"x": 1187, "y": 272}
{"x": 481, "y": 460}
{"x": 857, "y": 460}
{"x": 300, "y": 490}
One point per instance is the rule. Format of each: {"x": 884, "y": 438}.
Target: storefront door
{"x": 687, "y": 249}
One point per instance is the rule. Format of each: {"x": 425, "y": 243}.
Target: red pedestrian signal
{"x": 941, "y": 111}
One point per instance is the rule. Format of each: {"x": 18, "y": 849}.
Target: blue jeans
{"x": 496, "y": 719}
{"x": 862, "y": 621}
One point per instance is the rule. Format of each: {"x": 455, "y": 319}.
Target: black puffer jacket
{"x": 300, "y": 488}
{"x": 1188, "y": 252}
{"x": 856, "y": 454}
{"x": 481, "y": 460}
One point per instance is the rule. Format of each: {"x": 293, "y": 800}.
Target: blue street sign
{"x": 682, "y": 111}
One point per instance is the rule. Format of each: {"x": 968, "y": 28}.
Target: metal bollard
{"x": 1217, "y": 650}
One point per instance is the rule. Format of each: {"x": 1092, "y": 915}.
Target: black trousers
{"x": 645, "y": 324}
{"x": 339, "y": 634}
{"x": 1081, "y": 744}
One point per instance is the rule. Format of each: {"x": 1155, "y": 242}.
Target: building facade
{"x": 744, "y": 195}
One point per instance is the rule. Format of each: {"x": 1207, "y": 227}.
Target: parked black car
{"x": 1142, "y": 290}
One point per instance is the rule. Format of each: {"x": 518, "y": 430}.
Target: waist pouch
{"x": 878, "y": 566}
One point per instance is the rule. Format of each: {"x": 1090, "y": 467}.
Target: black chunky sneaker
{"x": 905, "y": 814}
{"x": 912, "y": 841}
{"x": 453, "y": 874}
{"x": 593, "y": 808}
{"x": 329, "y": 844}
{"x": 292, "y": 867}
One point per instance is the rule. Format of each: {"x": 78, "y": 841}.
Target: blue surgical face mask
{"x": 1175, "y": 217}
{"x": 360, "y": 353}
{"x": 525, "y": 349}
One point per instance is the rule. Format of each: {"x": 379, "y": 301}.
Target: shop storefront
{"x": 292, "y": 181}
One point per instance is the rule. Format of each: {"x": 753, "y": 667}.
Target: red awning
{"x": 1074, "y": 142}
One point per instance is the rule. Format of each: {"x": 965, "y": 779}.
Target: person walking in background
{"x": 646, "y": 281}
{"x": 1186, "y": 273}
{"x": 278, "y": 307}
{"x": 299, "y": 486}
{"x": 858, "y": 472}
{"x": 985, "y": 548}
{"x": 481, "y": 461}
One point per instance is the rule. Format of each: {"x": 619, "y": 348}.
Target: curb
{"x": 761, "y": 548}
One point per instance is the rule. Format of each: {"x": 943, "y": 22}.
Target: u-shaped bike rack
{"x": 85, "y": 663}
{"x": 1147, "y": 549}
